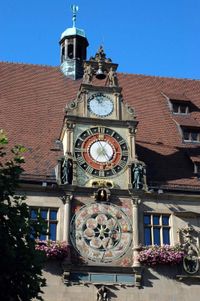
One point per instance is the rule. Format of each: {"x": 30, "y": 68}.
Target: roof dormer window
{"x": 180, "y": 107}
{"x": 197, "y": 169}
{"x": 191, "y": 135}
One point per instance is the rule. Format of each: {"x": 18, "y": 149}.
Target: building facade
{"x": 113, "y": 167}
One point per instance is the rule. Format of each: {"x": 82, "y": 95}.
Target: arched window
{"x": 63, "y": 53}
{"x": 70, "y": 51}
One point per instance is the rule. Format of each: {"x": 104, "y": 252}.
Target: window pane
{"x": 34, "y": 213}
{"x": 147, "y": 236}
{"x": 53, "y": 215}
{"x": 43, "y": 213}
{"x": 156, "y": 234}
{"x": 165, "y": 220}
{"x": 166, "y": 240}
{"x": 183, "y": 109}
{"x": 156, "y": 220}
{"x": 175, "y": 107}
{"x": 147, "y": 219}
{"x": 186, "y": 135}
{"x": 52, "y": 231}
{"x": 194, "y": 136}
{"x": 42, "y": 237}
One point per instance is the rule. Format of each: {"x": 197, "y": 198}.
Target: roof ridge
{"x": 122, "y": 73}
{"x": 28, "y": 64}
{"x": 157, "y": 76}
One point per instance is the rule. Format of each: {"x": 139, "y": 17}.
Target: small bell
{"x": 100, "y": 74}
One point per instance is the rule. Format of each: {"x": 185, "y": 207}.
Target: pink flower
{"x": 153, "y": 255}
{"x": 53, "y": 249}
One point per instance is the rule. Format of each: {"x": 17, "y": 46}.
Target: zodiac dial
{"x": 101, "y": 232}
{"x": 101, "y": 152}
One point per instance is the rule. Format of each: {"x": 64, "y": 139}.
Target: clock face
{"x": 101, "y": 232}
{"x": 101, "y": 152}
{"x": 100, "y": 105}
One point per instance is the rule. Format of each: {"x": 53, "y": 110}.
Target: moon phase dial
{"x": 101, "y": 151}
{"x": 101, "y": 232}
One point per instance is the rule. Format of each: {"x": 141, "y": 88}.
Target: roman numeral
{"x": 122, "y": 164}
{"x": 89, "y": 169}
{"x": 76, "y": 149}
{"x": 89, "y": 132}
{"x": 121, "y": 141}
{"x": 114, "y": 172}
{"x": 102, "y": 173}
{"x": 80, "y": 160}
{"x": 101, "y": 130}
{"x": 124, "y": 153}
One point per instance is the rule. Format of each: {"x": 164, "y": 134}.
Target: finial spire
{"x": 74, "y": 9}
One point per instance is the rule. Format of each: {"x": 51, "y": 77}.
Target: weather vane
{"x": 74, "y": 9}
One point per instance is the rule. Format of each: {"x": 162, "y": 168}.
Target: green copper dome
{"x": 73, "y": 31}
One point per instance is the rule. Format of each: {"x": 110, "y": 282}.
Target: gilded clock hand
{"x": 109, "y": 238}
{"x": 104, "y": 151}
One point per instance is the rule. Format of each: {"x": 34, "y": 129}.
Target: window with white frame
{"x": 191, "y": 134}
{"x": 180, "y": 107}
{"x": 197, "y": 169}
{"x": 156, "y": 229}
{"x": 50, "y": 216}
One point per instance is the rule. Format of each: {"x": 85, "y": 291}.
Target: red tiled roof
{"x": 177, "y": 97}
{"x": 32, "y": 102}
{"x": 186, "y": 121}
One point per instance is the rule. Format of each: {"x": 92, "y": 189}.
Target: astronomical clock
{"x": 97, "y": 175}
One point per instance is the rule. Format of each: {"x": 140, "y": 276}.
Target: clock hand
{"x": 104, "y": 151}
{"x": 101, "y": 152}
{"x": 109, "y": 238}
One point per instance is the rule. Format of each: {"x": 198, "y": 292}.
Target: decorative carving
{"x": 66, "y": 277}
{"x": 101, "y": 183}
{"x": 100, "y": 56}
{"x": 135, "y": 201}
{"x": 132, "y": 129}
{"x": 71, "y": 105}
{"x": 138, "y": 175}
{"x": 102, "y": 194}
{"x": 88, "y": 73}
{"x": 188, "y": 240}
{"x": 130, "y": 110}
{"x": 66, "y": 198}
{"x": 100, "y": 66}
{"x": 67, "y": 171}
{"x": 138, "y": 276}
{"x": 70, "y": 125}
{"x": 74, "y": 9}
{"x": 112, "y": 79}
{"x": 102, "y": 293}
{"x": 191, "y": 260}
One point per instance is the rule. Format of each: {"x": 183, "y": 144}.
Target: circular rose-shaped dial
{"x": 101, "y": 232}
{"x": 101, "y": 152}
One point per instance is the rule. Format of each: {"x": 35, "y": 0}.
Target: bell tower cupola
{"x": 73, "y": 49}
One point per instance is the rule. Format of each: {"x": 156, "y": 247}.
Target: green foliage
{"x": 20, "y": 264}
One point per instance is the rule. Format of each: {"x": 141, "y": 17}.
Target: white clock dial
{"x": 101, "y": 151}
{"x": 100, "y": 105}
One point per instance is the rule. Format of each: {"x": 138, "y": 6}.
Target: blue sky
{"x": 152, "y": 37}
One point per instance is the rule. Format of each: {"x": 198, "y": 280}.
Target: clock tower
{"x": 101, "y": 177}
